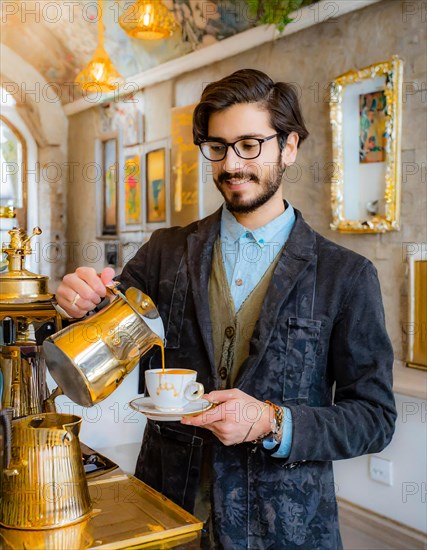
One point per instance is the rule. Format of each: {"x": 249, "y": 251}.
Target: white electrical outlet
{"x": 381, "y": 470}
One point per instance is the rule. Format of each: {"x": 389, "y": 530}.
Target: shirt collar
{"x": 232, "y": 230}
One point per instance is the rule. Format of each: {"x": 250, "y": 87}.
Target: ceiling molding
{"x": 239, "y": 43}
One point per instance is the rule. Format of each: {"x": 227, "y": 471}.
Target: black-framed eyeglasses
{"x": 246, "y": 148}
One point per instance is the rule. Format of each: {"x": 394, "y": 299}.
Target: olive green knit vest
{"x": 231, "y": 330}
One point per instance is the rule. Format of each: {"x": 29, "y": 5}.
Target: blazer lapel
{"x": 200, "y": 249}
{"x": 298, "y": 253}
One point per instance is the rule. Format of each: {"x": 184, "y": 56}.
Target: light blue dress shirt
{"x": 247, "y": 254}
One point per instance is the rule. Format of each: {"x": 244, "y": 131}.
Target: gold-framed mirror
{"x": 366, "y": 113}
{"x": 417, "y": 306}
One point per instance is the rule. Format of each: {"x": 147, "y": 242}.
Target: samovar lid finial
{"x": 19, "y": 247}
{"x": 18, "y": 284}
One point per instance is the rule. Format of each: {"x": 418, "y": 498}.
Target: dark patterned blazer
{"x": 319, "y": 347}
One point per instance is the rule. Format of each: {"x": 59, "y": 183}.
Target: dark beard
{"x": 233, "y": 204}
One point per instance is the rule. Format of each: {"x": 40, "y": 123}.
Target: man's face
{"x": 246, "y": 184}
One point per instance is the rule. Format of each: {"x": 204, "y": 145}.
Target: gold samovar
{"x": 27, "y": 317}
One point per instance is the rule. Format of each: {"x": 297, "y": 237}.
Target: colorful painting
{"x": 373, "y": 135}
{"x": 156, "y": 186}
{"x": 132, "y": 185}
{"x": 110, "y": 186}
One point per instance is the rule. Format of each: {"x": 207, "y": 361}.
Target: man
{"x": 265, "y": 309}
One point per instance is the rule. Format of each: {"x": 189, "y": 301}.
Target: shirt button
{"x": 238, "y": 282}
{"x": 223, "y": 373}
{"x": 229, "y": 332}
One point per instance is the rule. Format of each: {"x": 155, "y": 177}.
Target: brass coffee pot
{"x": 44, "y": 482}
{"x": 90, "y": 358}
{"x": 27, "y": 317}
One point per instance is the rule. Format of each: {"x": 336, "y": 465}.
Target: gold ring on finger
{"x": 75, "y": 299}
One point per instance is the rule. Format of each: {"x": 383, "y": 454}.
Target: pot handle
{"x": 9, "y": 466}
{"x": 6, "y": 423}
{"x": 113, "y": 288}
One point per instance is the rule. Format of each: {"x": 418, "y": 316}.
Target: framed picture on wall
{"x": 366, "y": 113}
{"x": 157, "y": 183}
{"x": 185, "y": 198}
{"x": 417, "y": 307}
{"x": 132, "y": 190}
{"x": 109, "y": 186}
{"x": 133, "y": 128}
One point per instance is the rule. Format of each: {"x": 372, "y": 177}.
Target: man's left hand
{"x": 237, "y": 417}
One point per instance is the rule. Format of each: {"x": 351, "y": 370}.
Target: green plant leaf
{"x": 274, "y": 12}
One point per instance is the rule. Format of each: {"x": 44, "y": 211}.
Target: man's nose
{"x": 232, "y": 161}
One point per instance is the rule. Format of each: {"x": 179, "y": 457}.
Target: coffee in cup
{"x": 172, "y": 389}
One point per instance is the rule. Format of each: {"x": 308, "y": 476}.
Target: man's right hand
{"x": 81, "y": 291}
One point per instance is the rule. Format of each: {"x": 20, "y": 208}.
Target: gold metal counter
{"x": 127, "y": 513}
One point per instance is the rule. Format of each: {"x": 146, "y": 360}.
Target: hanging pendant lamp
{"x": 148, "y": 20}
{"x": 100, "y": 73}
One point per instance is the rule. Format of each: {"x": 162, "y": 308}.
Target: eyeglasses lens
{"x": 214, "y": 150}
{"x": 244, "y": 148}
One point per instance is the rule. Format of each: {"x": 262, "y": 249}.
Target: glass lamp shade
{"x": 148, "y": 20}
{"x": 100, "y": 74}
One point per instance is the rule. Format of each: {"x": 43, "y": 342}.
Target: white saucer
{"x": 145, "y": 406}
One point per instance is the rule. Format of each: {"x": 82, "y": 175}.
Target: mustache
{"x": 225, "y": 176}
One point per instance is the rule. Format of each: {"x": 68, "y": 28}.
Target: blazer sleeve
{"x": 363, "y": 415}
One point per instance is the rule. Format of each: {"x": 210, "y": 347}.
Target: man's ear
{"x": 289, "y": 153}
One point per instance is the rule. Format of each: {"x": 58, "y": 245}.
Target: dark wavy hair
{"x": 251, "y": 86}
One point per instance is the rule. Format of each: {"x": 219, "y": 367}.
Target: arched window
{"x": 13, "y": 181}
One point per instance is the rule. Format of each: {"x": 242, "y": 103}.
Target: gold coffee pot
{"x": 90, "y": 358}
{"x": 44, "y": 482}
{"x": 27, "y": 317}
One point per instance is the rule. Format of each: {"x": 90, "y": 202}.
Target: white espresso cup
{"x": 172, "y": 389}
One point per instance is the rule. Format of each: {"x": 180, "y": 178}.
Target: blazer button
{"x": 229, "y": 332}
{"x": 223, "y": 373}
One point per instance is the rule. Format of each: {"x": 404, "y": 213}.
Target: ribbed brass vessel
{"x": 44, "y": 484}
